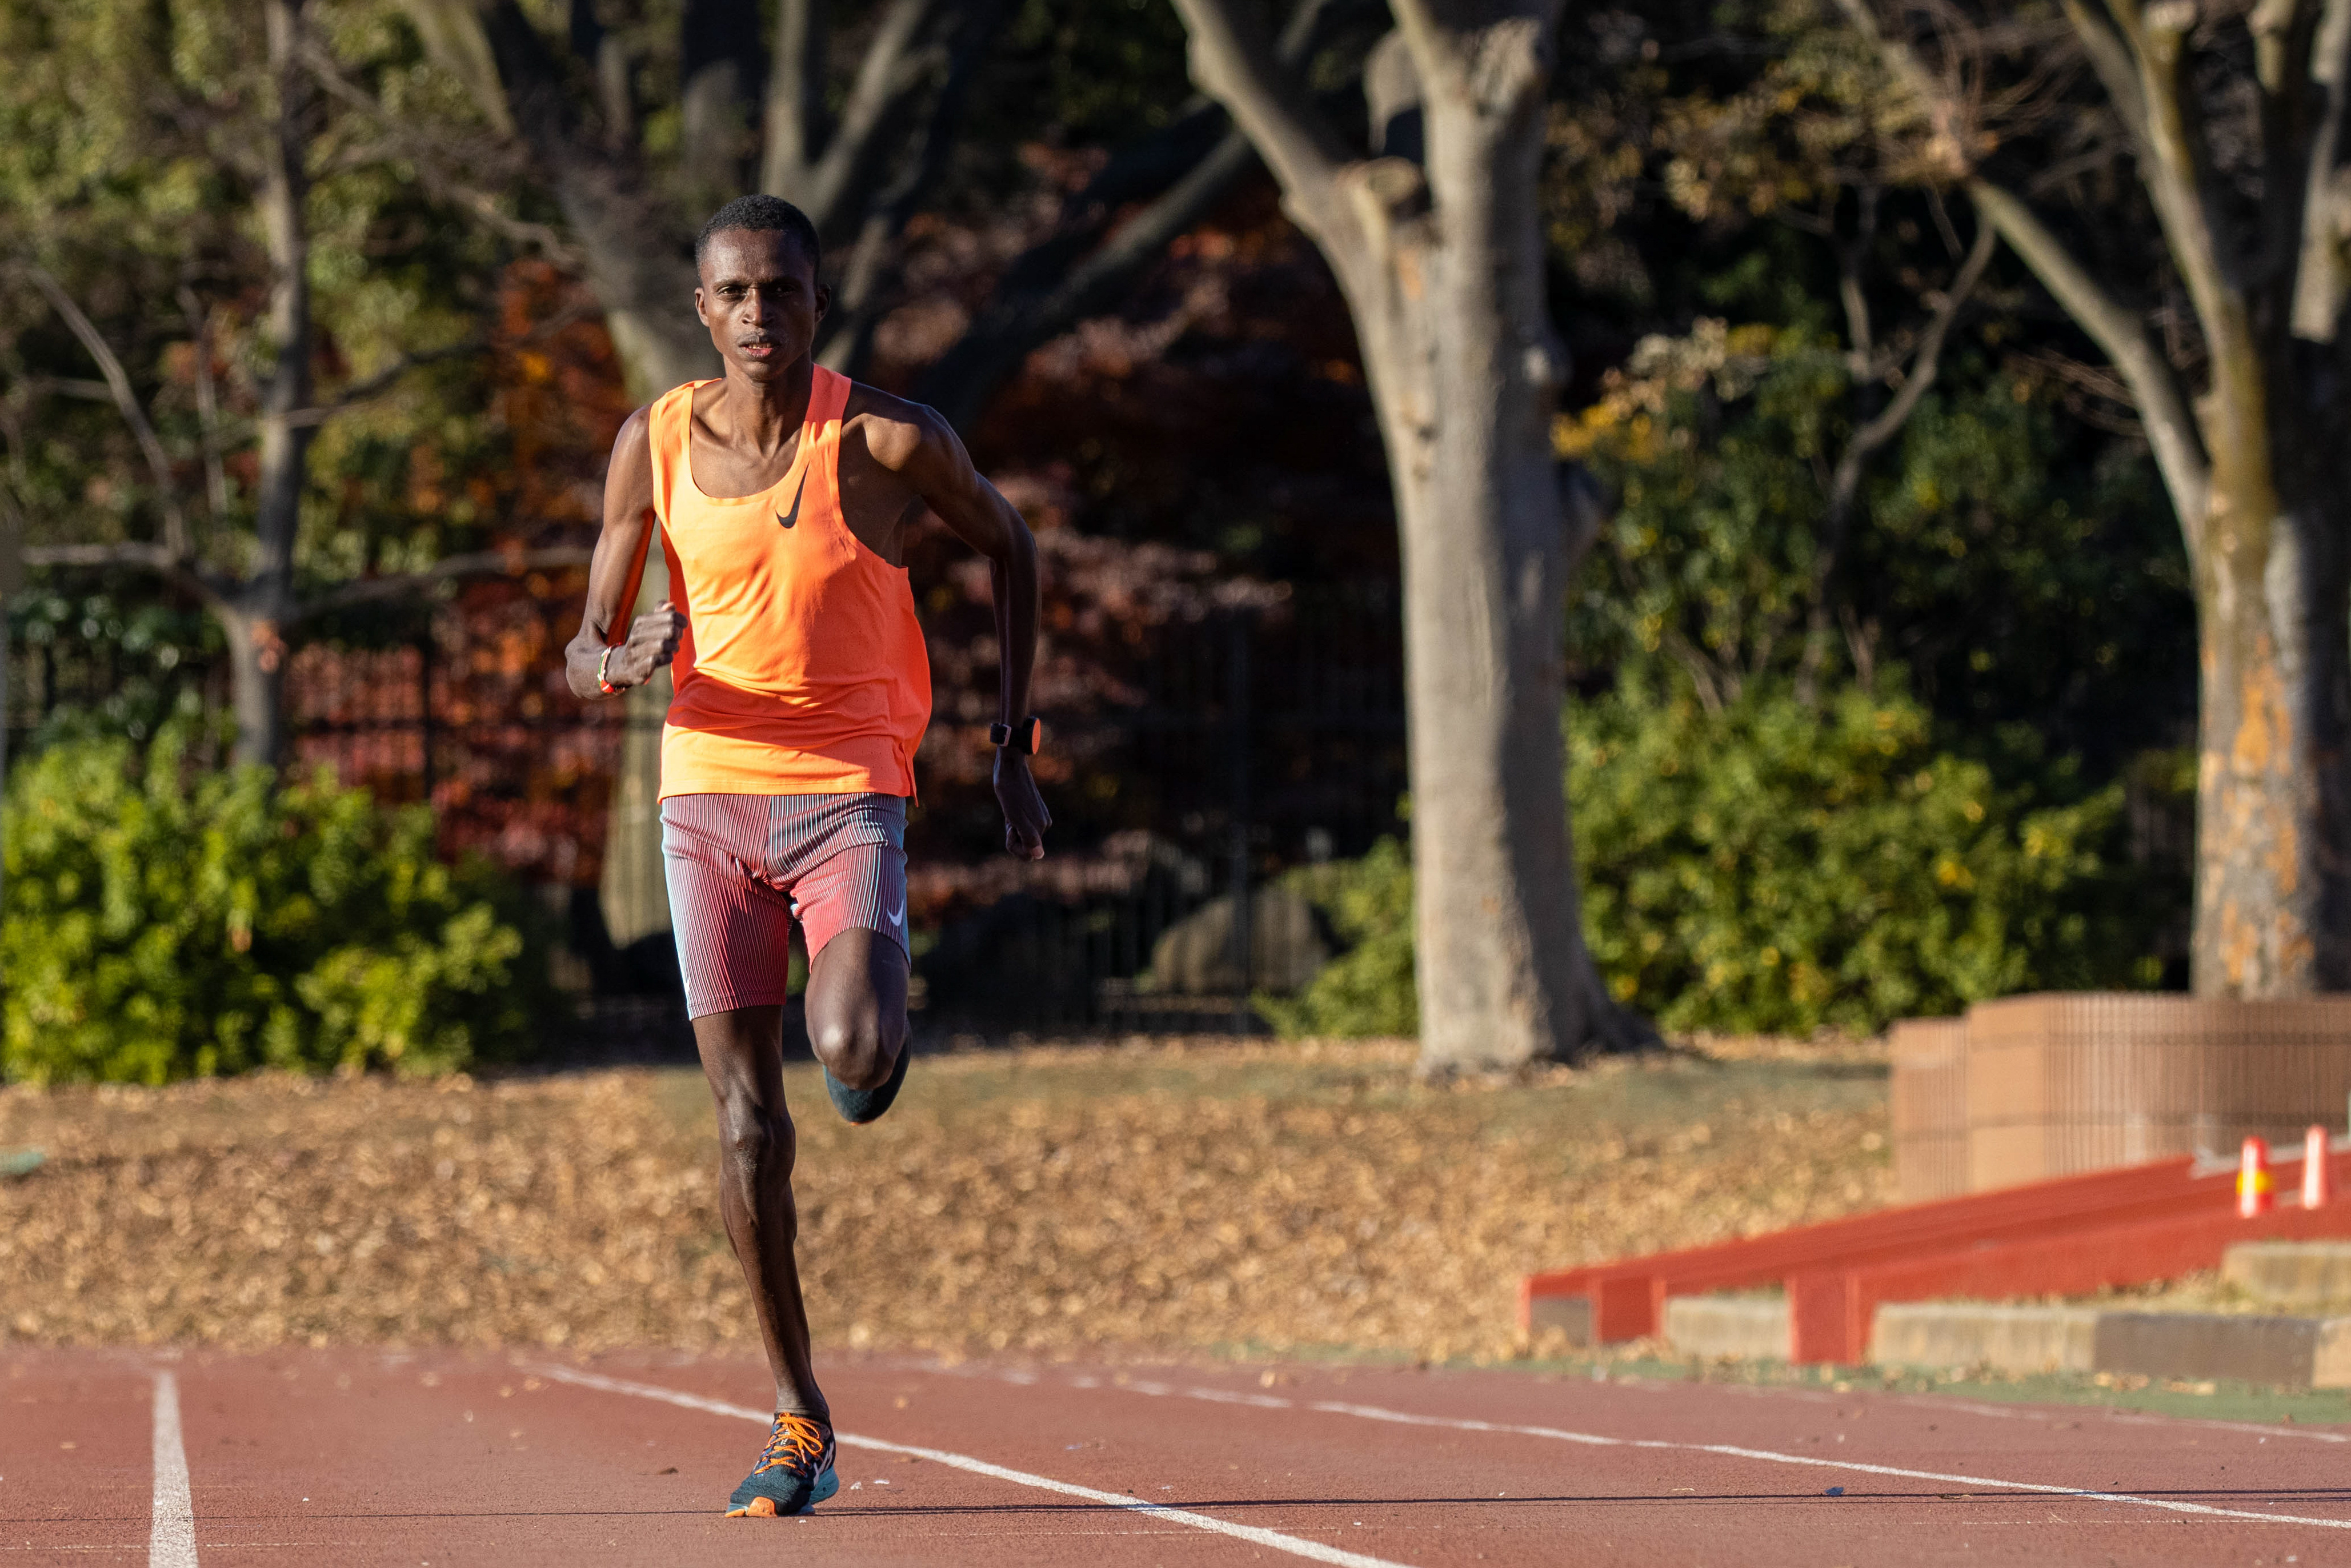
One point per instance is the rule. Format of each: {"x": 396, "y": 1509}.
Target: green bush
{"x": 162, "y": 922}
{"x": 1367, "y": 989}
{"x": 1775, "y": 868}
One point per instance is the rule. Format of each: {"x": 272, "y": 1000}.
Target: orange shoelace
{"x": 797, "y": 1443}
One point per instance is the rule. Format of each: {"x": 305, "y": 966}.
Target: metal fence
{"x": 1241, "y": 745}
{"x": 1263, "y": 740}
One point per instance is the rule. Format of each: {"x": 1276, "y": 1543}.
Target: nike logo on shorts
{"x": 898, "y": 917}
{"x": 786, "y": 519}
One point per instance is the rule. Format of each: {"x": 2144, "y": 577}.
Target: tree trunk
{"x": 1496, "y": 921}
{"x": 2253, "y": 463}
{"x": 1442, "y": 264}
{"x": 2273, "y": 811}
{"x": 1496, "y": 915}
{"x": 256, "y": 667}
{"x": 256, "y": 628}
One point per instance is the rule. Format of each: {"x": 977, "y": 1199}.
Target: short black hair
{"x": 768, "y": 215}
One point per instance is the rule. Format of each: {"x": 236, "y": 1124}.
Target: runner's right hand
{"x": 652, "y": 643}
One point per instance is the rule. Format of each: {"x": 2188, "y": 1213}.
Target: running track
{"x": 441, "y": 1458}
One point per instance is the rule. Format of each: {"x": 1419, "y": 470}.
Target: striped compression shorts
{"x": 742, "y": 867}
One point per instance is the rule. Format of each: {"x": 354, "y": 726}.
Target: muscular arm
{"x": 922, "y": 449}
{"x": 612, "y": 572}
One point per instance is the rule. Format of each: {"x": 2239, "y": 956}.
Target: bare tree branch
{"x": 999, "y": 340}
{"x": 1233, "y": 62}
{"x": 1843, "y": 488}
{"x": 903, "y": 62}
{"x": 176, "y": 569}
{"x": 2171, "y": 429}
{"x": 200, "y": 335}
{"x": 2111, "y": 59}
{"x": 118, "y": 384}
{"x": 2175, "y": 171}
{"x": 859, "y": 300}
{"x": 1952, "y": 141}
{"x": 454, "y": 38}
{"x": 1927, "y": 362}
{"x": 796, "y": 77}
{"x": 1861, "y": 350}
{"x": 68, "y": 386}
{"x": 282, "y": 205}
{"x": 718, "y": 94}
{"x": 630, "y": 243}
{"x": 476, "y": 563}
{"x": 2322, "y": 279}
{"x": 2163, "y": 407}
{"x": 1047, "y": 289}
{"x": 384, "y": 379}
{"x": 432, "y": 161}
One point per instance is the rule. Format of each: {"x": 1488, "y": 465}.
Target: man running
{"x": 782, "y": 492}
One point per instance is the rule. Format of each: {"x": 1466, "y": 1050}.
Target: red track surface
{"x": 439, "y": 1458}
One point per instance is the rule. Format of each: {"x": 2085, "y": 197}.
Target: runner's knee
{"x": 757, "y": 1142}
{"x": 859, "y": 1050}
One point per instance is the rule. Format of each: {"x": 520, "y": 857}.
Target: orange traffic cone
{"x": 2256, "y": 1192}
{"x": 2317, "y": 1180}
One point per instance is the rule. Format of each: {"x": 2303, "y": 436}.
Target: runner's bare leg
{"x": 742, "y": 1056}
{"x": 857, "y": 1005}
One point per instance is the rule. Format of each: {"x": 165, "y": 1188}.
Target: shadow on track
{"x": 2240, "y": 1497}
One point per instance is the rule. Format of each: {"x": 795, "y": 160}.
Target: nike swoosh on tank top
{"x": 802, "y": 669}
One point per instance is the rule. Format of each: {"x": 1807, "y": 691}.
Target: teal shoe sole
{"x": 859, "y": 1106}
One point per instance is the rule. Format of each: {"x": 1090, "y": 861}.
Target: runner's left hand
{"x": 1025, "y": 817}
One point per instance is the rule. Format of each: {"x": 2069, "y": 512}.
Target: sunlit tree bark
{"x": 1436, "y": 242}
{"x": 2253, "y": 457}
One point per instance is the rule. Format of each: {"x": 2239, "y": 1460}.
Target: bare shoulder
{"x": 897, "y": 433}
{"x": 629, "y": 477}
{"x": 635, "y": 441}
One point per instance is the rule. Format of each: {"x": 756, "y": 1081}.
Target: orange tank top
{"x": 803, "y": 669}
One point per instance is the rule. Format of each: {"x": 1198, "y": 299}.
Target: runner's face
{"x": 760, "y": 299}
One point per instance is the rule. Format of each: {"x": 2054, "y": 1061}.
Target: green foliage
{"x": 1772, "y": 867}
{"x": 1777, "y": 868}
{"x": 163, "y": 923}
{"x": 2013, "y": 579}
{"x": 128, "y": 171}
{"x": 111, "y": 665}
{"x": 1368, "y": 988}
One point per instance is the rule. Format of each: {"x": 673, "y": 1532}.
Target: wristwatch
{"x": 1027, "y": 736}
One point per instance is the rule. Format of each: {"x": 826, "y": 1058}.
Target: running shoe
{"x": 859, "y": 1106}
{"x": 795, "y": 1471}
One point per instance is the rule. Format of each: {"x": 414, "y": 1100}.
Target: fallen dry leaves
{"x": 1237, "y": 1197}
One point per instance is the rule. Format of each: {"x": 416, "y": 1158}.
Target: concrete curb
{"x": 2294, "y": 1276}
{"x": 2290, "y": 1352}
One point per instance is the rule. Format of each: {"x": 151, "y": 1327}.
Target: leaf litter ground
{"x": 1209, "y": 1196}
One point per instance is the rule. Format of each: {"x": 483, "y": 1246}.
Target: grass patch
{"x": 2209, "y": 1400}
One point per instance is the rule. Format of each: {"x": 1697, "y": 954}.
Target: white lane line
{"x": 2026, "y": 1412}
{"x": 171, "y": 1540}
{"x": 1595, "y": 1439}
{"x": 1297, "y": 1546}
{"x": 2094, "y": 1413}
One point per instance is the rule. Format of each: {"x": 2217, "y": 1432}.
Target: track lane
{"x": 369, "y": 1457}
{"x": 76, "y": 1451}
{"x": 443, "y": 1459}
{"x": 2244, "y": 1472}
{"x": 2230, "y": 1489}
